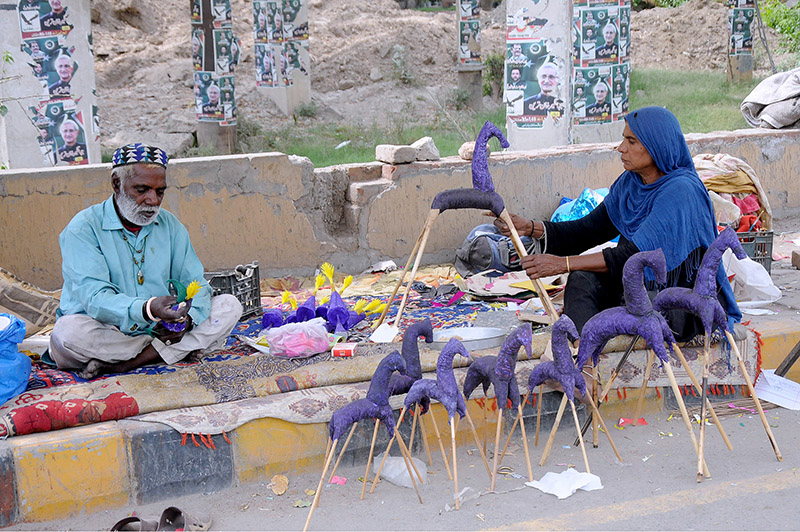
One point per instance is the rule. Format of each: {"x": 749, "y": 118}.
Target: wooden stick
{"x": 409, "y": 464}
{"x": 425, "y": 232}
{"x": 603, "y": 424}
{"x": 580, "y": 436}
{"x": 328, "y": 457}
{"x": 344, "y": 448}
{"x": 455, "y": 463}
{"x": 552, "y": 436}
{"x": 538, "y": 416}
{"x": 595, "y": 426}
{"x": 369, "y": 460}
{"x": 524, "y": 441}
{"x": 684, "y": 414}
{"x": 497, "y": 445}
{"x": 752, "y": 389}
{"x": 478, "y": 443}
{"x": 386, "y": 453}
{"x": 424, "y": 435}
{"x": 643, "y": 391}
{"x": 485, "y": 422}
{"x": 413, "y": 429}
{"x": 441, "y": 444}
{"x": 514, "y": 426}
{"x": 696, "y": 385}
{"x": 537, "y": 283}
{"x": 703, "y": 399}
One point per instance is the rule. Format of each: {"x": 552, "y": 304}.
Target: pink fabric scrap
{"x": 747, "y": 204}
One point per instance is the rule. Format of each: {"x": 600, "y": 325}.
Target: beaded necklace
{"x": 139, "y": 264}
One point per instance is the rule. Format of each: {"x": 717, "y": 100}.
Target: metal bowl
{"x": 473, "y": 338}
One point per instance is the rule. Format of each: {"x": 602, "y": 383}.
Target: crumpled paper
{"x": 562, "y": 485}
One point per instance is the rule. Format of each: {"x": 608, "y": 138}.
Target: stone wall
{"x": 279, "y": 210}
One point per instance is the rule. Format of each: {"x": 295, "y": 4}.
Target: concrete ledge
{"x": 85, "y": 469}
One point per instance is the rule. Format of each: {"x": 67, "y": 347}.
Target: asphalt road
{"x": 654, "y": 488}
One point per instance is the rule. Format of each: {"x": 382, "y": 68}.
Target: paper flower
{"x": 327, "y": 271}
{"x": 192, "y": 289}
{"x": 272, "y": 318}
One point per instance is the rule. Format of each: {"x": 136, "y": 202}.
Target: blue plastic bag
{"x": 15, "y": 368}
{"x": 580, "y": 206}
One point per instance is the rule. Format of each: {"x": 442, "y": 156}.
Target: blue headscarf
{"x": 674, "y": 213}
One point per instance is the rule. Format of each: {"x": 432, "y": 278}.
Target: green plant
{"x": 402, "y": 72}
{"x": 5, "y": 60}
{"x": 785, "y": 20}
{"x": 306, "y": 110}
{"x": 458, "y": 99}
{"x": 493, "y": 74}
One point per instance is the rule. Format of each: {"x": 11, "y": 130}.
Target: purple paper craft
{"x": 562, "y": 368}
{"x": 272, "y": 318}
{"x": 444, "y": 389}
{"x": 481, "y": 178}
{"x": 401, "y": 383}
{"x": 306, "y": 311}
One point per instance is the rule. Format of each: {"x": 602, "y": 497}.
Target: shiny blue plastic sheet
{"x": 15, "y": 367}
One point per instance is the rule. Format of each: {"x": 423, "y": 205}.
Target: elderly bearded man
{"x": 117, "y": 257}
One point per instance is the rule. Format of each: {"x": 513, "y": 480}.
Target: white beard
{"x": 133, "y": 212}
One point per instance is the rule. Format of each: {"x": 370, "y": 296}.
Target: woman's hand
{"x": 524, "y": 227}
{"x": 537, "y": 266}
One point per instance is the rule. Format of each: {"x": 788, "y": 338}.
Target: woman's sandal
{"x": 135, "y": 523}
{"x": 174, "y": 519}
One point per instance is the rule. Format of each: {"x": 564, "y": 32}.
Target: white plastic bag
{"x": 298, "y": 340}
{"x": 751, "y": 284}
{"x": 394, "y": 470}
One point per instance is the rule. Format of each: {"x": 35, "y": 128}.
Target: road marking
{"x": 703, "y": 494}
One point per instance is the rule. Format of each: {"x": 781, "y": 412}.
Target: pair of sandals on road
{"x": 171, "y": 519}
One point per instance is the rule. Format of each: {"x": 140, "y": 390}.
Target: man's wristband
{"x": 149, "y": 312}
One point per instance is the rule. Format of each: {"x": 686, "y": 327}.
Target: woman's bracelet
{"x": 533, "y": 228}
{"x": 568, "y": 270}
{"x": 149, "y": 312}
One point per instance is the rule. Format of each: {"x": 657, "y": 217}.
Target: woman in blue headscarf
{"x": 659, "y": 202}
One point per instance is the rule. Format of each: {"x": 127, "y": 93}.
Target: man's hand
{"x": 538, "y": 266}
{"x": 169, "y": 337}
{"x": 524, "y": 227}
{"x": 161, "y": 308}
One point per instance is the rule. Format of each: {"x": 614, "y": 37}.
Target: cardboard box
{"x": 344, "y": 349}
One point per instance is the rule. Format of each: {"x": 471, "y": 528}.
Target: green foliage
{"x": 702, "y": 101}
{"x": 306, "y": 110}
{"x": 402, "y": 72}
{"x": 458, "y": 99}
{"x": 5, "y": 59}
{"x": 493, "y": 74}
{"x": 669, "y": 3}
{"x": 785, "y": 20}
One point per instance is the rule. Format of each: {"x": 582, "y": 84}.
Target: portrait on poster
{"x": 541, "y": 83}
{"x": 469, "y": 9}
{"x": 59, "y": 80}
{"x": 43, "y": 18}
{"x": 740, "y": 22}
{"x": 228, "y": 100}
{"x": 597, "y": 85}
{"x": 261, "y": 30}
{"x": 198, "y": 48}
{"x": 221, "y": 9}
{"x": 71, "y": 141}
{"x": 469, "y": 50}
{"x": 208, "y": 97}
{"x": 283, "y": 70}
{"x": 223, "y": 51}
{"x": 44, "y": 118}
{"x": 275, "y": 21}
{"x": 599, "y": 35}
{"x": 297, "y": 58}
{"x": 265, "y": 66}
{"x": 624, "y": 33}
{"x": 197, "y": 11}
{"x": 619, "y": 90}
{"x": 295, "y": 20}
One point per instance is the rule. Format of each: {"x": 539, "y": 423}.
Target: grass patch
{"x": 702, "y": 101}
{"x": 436, "y": 9}
{"x": 449, "y": 131}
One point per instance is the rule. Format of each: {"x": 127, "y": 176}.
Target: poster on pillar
{"x": 524, "y": 22}
{"x": 43, "y": 18}
{"x": 619, "y": 90}
{"x": 214, "y": 98}
{"x": 594, "y": 101}
{"x": 534, "y": 85}
{"x": 198, "y": 48}
{"x": 295, "y": 20}
{"x": 265, "y": 66}
{"x": 597, "y": 29}
{"x": 740, "y": 29}
{"x": 469, "y": 32}
{"x": 221, "y": 10}
{"x": 62, "y": 135}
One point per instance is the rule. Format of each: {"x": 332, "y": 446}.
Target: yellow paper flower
{"x": 371, "y": 305}
{"x": 324, "y": 300}
{"x": 192, "y": 289}
{"x": 285, "y": 295}
{"x": 377, "y": 309}
{"x": 292, "y": 302}
{"x": 318, "y": 282}
{"x": 347, "y": 282}
{"x": 327, "y": 270}
{"x": 359, "y": 306}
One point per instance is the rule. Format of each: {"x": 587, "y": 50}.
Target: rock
{"x": 316, "y": 4}
{"x": 426, "y": 149}
{"x": 375, "y": 74}
{"x": 346, "y": 84}
{"x": 393, "y": 154}
{"x": 796, "y": 260}
{"x": 468, "y": 148}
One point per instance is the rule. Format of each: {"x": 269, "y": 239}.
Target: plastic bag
{"x": 751, "y": 284}
{"x": 298, "y": 340}
{"x": 580, "y": 206}
{"x": 15, "y": 368}
{"x": 394, "y": 470}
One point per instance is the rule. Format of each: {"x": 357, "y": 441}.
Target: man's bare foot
{"x": 93, "y": 369}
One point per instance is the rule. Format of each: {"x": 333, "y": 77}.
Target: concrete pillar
{"x": 567, "y": 72}
{"x": 281, "y": 52}
{"x": 50, "y": 97}
{"x": 215, "y": 53}
{"x": 470, "y": 67}
{"x": 740, "y": 40}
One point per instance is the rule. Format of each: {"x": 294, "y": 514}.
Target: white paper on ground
{"x": 757, "y": 311}
{"x": 562, "y": 485}
{"x": 384, "y": 334}
{"x": 779, "y": 390}
{"x": 252, "y": 343}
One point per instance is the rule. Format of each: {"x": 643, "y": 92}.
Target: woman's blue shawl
{"x": 674, "y": 213}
